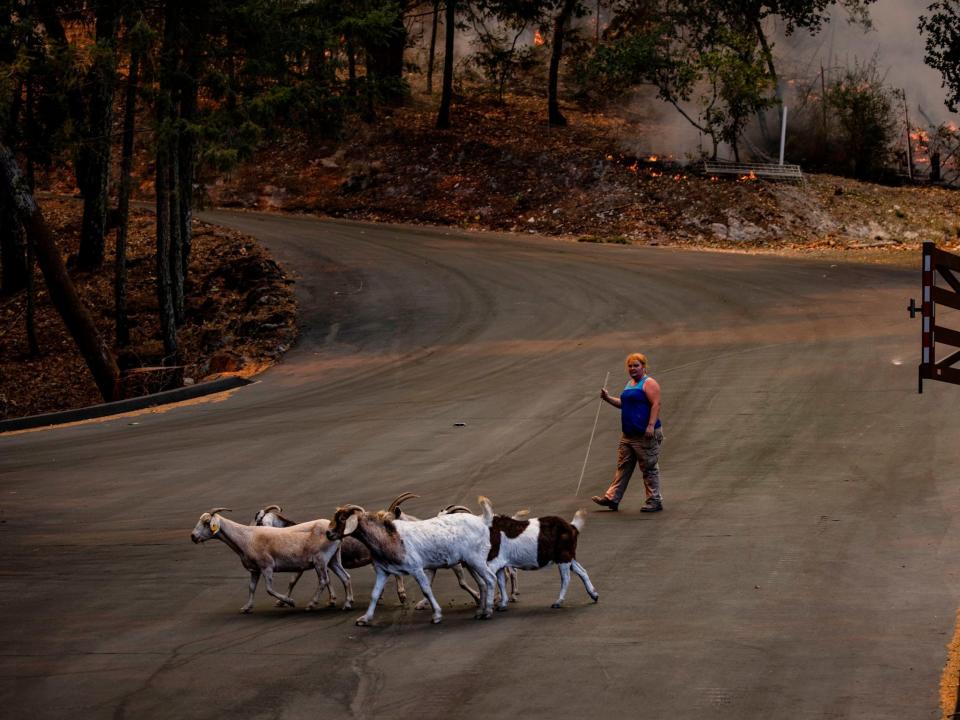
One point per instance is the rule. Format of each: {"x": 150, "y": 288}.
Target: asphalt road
{"x": 805, "y": 565}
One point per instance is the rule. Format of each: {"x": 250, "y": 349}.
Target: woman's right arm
{"x": 612, "y": 399}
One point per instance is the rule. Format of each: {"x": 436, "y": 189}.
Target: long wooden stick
{"x": 599, "y": 404}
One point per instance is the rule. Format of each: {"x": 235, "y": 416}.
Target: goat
{"x": 536, "y": 543}
{"x": 353, "y": 553}
{"x": 511, "y": 572}
{"x": 401, "y": 547}
{"x": 265, "y": 550}
{"x": 432, "y": 573}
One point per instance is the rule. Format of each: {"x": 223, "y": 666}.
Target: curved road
{"x": 805, "y": 565}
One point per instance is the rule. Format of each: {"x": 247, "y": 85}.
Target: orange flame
{"x": 538, "y": 38}
{"x": 652, "y": 158}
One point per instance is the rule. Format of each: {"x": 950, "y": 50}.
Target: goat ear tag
{"x": 214, "y": 526}
{"x": 351, "y": 524}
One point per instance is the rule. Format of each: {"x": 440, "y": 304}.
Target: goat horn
{"x": 400, "y": 499}
{"x": 351, "y": 507}
{"x": 274, "y": 508}
{"x": 458, "y": 509}
{"x": 220, "y": 510}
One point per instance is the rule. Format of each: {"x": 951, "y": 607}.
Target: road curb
{"x": 121, "y": 406}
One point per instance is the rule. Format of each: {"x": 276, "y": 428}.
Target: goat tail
{"x": 487, "y": 510}
{"x": 580, "y": 519}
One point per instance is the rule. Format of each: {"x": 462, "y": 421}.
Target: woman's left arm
{"x": 652, "y": 388}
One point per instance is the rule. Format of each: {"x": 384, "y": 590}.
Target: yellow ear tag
{"x": 214, "y": 526}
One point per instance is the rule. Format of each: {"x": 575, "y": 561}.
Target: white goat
{"x": 265, "y": 550}
{"x": 399, "y": 514}
{"x": 402, "y": 547}
{"x": 536, "y": 543}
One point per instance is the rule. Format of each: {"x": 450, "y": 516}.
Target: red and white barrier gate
{"x": 936, "y": 261}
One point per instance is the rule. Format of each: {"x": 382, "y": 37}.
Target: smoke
{"x": 893, "y": 42}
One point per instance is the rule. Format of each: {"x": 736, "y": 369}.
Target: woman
{"x": 639, "y": 405}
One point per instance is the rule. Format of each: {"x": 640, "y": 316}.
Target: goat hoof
{"x": 311, "y": 606}
{"x": 347, "y": 606}
{"x": 279, "y": 603}
{"x": 362, "y": 622}
{"x": 596, "y": 598}
{"x": 332, "y": 603}
{"x": 435, "y": 620}
{"x": 422, "y": 605}
{"x": 501, "y": 608}
{"x": 246, "y": 610}
{"x": 556, "y": 606}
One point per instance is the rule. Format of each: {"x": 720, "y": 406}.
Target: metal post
{"x": 906, "y": 116}
{"x": 783, "y": 132}
{"x": 927, "y": 360}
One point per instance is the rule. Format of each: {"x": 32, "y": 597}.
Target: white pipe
{"x": 783, "y": 132}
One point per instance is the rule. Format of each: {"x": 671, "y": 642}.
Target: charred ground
{"x": 502, "y": 168}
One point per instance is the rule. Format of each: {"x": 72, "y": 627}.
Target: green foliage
{"x": 499, "y": 60}
{"x": 851, "y": 130}
{"x": 942, "y": 30}
{"x": 862, "y": 107}
{"x": 689, "y": 56}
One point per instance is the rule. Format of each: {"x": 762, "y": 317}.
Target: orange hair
{"x": 636, "y": 357}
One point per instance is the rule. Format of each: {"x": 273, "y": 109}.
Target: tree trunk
{"x": 351, "y": 69}
{"x": 446, "y": 96}
{"x": 63, "y": 294}
{"x": 168, "y": 324}
{"x": 95, "y": 187}
{"x": 555, "y": 117}
{"x": 126, "y": 164}
{"x": 32, "y": 345}
{"x": 165, "y": 121}
{"x": 431, "y": 58}
{"x": 175, "y": 257}
{"x": 771, "y": 68}
{"x": 13, "y": 267}
{"x": 188, "y": 112}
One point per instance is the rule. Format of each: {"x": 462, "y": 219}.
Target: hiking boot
{"x": 652, "y": 506}
{"x": 606, "y": 502}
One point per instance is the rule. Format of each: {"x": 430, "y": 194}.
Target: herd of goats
{"x": 490, "y": 547}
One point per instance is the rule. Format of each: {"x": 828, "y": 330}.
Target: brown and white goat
{"x": 403, "y": 547}
{"x": 533, "y": 544}
{"x": 511, "y": 572}
{"x": 266, "y": 550}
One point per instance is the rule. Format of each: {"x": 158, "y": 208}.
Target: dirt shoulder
{"x": 240, "y": 317}
{"x": 502, "y": 168}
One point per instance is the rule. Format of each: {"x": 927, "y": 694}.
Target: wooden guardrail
{"x": 937, "y": 262}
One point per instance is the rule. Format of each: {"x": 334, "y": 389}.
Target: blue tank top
{"x": 635, "y": 409}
